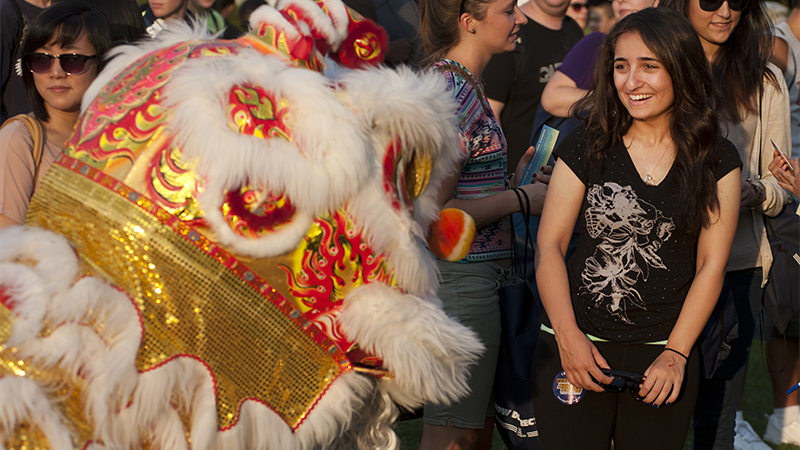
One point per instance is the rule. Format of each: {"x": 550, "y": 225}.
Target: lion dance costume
{"x": 228, "y": 254}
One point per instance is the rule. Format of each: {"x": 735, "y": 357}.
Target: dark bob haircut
{"x": 124, "y": 18}
{"x": 64, "y": 24}
{"x": 694, "y": 127}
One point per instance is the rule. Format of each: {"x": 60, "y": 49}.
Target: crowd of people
{"x": 671, "y": 108}
{"x": 667, "y": 175}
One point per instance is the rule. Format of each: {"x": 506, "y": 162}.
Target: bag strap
{"x": 528, "y": 237}
{"x": 525, "y": 211}
{"x": 37, "y": 134}
{"x": 216, "y": 17}
{"x": 466, "y": 76}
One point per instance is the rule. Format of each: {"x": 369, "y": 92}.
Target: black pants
{"x": 600, "y": 417}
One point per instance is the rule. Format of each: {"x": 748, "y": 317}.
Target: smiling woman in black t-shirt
{"x": 655, "y": 189}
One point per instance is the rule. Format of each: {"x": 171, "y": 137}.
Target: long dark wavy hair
{"x": 739, "y": 66}
{"x": 693, "y": 125}
{"x": 439, "y": 24}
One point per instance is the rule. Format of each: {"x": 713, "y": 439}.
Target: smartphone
{"x": 783, "y": 157}
{"x": 544, "y": 147}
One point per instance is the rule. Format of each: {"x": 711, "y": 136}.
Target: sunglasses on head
{"x": 623, "y": 380}
{"x": 713, "y": 5}
{"x": 72, "y": 63}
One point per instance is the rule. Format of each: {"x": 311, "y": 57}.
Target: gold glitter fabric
{"x": 194, "y": 298}
{"x": 63, "y": 390}
{"x": 26, "y": 437}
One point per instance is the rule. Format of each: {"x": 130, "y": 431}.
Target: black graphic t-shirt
{"x": 634, "y": 265}
{"x": 517, "y": 79}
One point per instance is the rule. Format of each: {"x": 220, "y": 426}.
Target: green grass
{"x": 410, "y": 432}
{"x": 757, "y": 403}
{"x": 758, "y": 396}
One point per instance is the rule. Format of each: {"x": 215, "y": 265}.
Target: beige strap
{"x": 37, "y": 134}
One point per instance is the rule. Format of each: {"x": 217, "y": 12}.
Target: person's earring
{"x": 474, "y": 31}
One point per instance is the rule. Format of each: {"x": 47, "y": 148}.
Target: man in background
{"x": 515, "y": 80}
{"x": 601, "y": 17}
{"x": 14, "y": 17}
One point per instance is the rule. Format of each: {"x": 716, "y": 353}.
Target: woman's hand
{"x": 663, "y": 379}
{"x": 519, "y": 171}
{"x": 536, "y": 195}
{"x": 537, "y": 189}
{"x": 581, "y": 360}
{"x": 543, "y": 177}
{"x": 786, "y": 180}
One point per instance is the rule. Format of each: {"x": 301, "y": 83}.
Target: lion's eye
{"x": 417, "y": 174}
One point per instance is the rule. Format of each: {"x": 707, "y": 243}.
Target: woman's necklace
{"x": 648, "y": 177}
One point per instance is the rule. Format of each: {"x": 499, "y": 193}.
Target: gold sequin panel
{"x": 63, "y": 389}
{"x": 194, "y": 298}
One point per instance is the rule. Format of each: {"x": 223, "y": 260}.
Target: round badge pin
{"x": 564, "y": 391}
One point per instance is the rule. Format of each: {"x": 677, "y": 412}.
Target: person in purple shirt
{"x": 571, "y": 80}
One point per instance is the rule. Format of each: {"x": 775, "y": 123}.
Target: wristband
{"x": 527, "y": 211}
{"x": 759, "y": 188}
{"x": 675, "y": 351}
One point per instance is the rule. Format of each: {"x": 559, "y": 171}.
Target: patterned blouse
{"x": 484, "y": 169}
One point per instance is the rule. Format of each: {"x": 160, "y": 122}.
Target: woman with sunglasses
{"x": 459, "y": 38}
{"x": 753, "y": 107}
{"x": 655, "y": 189}
{"x": 579, "y": 11}
{"x": 62, "y": 55}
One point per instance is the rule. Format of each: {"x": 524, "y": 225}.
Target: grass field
{"x": 757, "y": 403}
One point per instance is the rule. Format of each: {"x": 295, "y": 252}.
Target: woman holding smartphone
{"x": 788, "y": 174}
{"x": 754, "y": 108}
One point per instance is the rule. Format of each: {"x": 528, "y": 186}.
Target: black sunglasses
{"x": 72, "y": 63}
{"x": 713, "y": 5}
{"x": 578, "y": 6}
{"x": 623, "y": 380}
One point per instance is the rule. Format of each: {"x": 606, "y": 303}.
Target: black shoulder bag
{"x": 520, "y": 317}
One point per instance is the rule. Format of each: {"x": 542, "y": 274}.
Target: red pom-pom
{"x": 452, "y": 235}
